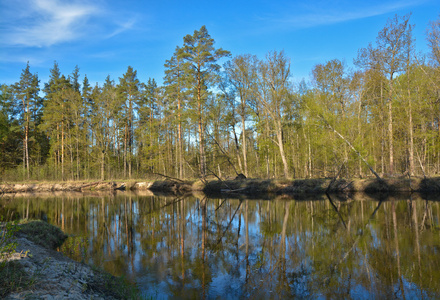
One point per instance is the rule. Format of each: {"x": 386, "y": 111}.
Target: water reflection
{"x": 196, "y": 247}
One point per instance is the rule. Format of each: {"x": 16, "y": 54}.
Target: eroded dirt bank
{"x": 73, "y": 186}
{"x": 78, "y": 186}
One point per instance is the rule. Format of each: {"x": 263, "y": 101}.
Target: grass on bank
{"x": 13, "y": 276}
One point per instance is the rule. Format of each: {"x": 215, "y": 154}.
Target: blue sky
{"x": 104, "y": 37}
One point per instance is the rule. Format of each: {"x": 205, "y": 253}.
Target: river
{"x": 226, "y": 248}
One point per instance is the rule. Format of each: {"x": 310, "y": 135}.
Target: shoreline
{"x": 239, "y": 186}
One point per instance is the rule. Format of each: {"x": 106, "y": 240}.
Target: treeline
{"x": 246, "y": 116}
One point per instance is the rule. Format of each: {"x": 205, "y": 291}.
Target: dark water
{"x": 196, "y": 247}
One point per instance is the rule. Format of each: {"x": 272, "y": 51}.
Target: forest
{"x": 222, "y": 115}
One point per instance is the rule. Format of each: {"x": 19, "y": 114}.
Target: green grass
{"x": 13, "y": 278}
{"x": 43, "y": 234}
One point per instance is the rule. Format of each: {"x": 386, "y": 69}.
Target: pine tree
{"x": 148, "y": 129}
{"x": 128, "y": 89}
{"x": 202, "y": 57}
{"x": 26, "y": 94}
{"x": 57, "y": 116}
{"x": 79, "y": 121}
{"x": 10, "y": 139}
{"x": 175, "y": 81}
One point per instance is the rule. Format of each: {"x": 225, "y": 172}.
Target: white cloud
{"x": 42, "y": 23}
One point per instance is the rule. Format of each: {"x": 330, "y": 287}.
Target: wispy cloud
{"x": 42, "y": 23}
{"x": 121, "y": 27}
{"x": 328, "y": 12}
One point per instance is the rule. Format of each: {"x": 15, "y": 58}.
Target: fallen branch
{"x": 176, "y": 200}
{"x": 169, "y": 177}
{"x": 336, "y": 209}
{"x": 352, "y": 147}
{"x": 232, "y": 191}
{"x": 344, "y": 257}
{"x": 219, "y": 179}
{"x": 336, "y": 177}
{"x": 229, "y": 224}
{"x": 224, "y": 153}
{"x": 421, "y": 165}
{"x": 90, "y": 184}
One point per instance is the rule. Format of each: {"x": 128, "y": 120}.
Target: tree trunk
{"x": 281, "y": 148}
{"x": 130, "y": 135}
{"x": 62, "y": 149}
{"x": 77, "y": 149}
{"x": 102, "y": 164}
{"x": 200, "y": 125}
{"x": 309, "y": 156}
{"x": 179, "y": 106}
{"x": 243, "y": 134}
{"x": 27, "y": 146}
{"x": 390, "y": 136}
{"x": 125, "y": 151}
{"x": 360, "y": 132}
{"x": 390, "y": 127}
{"x": 411, "y": 138}
{"x": 201, "y": 149}
{"x": 237, "y": 150}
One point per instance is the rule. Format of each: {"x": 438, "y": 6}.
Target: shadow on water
{"x": 327, "y": 246}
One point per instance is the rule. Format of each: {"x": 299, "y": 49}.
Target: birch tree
{"x": 389, "y": 56}
{"x": 274, "y": 90}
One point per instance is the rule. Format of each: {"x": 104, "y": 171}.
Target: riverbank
{"x": 36, "y": 271}
{"x": 243, "y": 186}
{"x": 172, "y": 186}
{"x": 321, "y": 186}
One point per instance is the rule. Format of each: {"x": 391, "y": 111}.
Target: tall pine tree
{"x": 201, "y": 55}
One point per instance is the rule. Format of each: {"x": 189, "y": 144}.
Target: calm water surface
{"x": 198, "y": 247}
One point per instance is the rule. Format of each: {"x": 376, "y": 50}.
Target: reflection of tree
{"x": 253, "y": 248}
{"x": 283, "y": 286}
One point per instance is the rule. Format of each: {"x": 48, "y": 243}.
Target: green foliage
{"x": 7, "y": 244}
{"x": 13, "y": 277}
